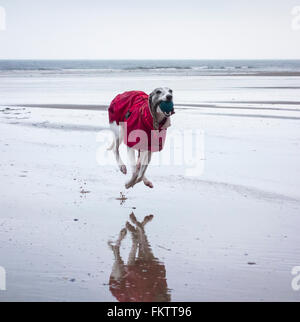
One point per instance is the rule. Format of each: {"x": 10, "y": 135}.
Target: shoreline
{"x": 61, "y": 106}
{"x": 178, "y": 106}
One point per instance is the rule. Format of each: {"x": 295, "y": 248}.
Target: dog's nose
{"x": 169, "y": 97}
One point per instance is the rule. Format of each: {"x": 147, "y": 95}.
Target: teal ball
{"x": 166, "y": 106}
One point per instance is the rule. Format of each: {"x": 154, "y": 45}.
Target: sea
{"x": 193, "y": 81}
{"x": 185, "y": 67}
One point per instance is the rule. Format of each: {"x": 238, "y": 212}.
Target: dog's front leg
{"x": 132, "y": 180}
{"x": 145, "y": 159}
{"x": 145, "y": 252}
{"x": 139, "y": 174}
{"x": 134, "y": 247}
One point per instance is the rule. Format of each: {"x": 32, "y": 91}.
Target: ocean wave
{"x": 156, "y": 66}
{"x": 126, "y": 69}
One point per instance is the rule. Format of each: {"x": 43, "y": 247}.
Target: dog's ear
{"x": 150, "y": 98}
{"x": 153, "y": 108}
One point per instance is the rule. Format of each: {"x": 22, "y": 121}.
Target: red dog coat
{"x": 132, "y": 109}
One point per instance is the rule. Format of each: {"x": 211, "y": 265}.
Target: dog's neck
{"x": 166, "y": 123}
{"x": 160, "y": 117}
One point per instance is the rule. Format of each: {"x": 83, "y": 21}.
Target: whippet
{"x": 132, "y": 116}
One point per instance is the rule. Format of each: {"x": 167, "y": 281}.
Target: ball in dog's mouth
{"x": 167, "y": 107}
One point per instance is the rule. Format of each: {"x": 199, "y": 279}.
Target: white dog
{"x": 140, "y": 121}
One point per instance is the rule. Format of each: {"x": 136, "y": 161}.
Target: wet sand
{"x": 271, "y": 74}
{"x": 250, "y": 105}
{"x": 65, "y": 106}
{"x": 230, "y": 234}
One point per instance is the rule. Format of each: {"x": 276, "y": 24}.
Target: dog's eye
{"x": 170, "y": 91}
{"x": 158, "y": 92}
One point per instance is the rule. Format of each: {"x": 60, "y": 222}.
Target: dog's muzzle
{"x": 169, "y": 114}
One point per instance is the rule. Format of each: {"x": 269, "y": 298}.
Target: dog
{"x": 143, "y": 279}
{"x": 138, "y": 120}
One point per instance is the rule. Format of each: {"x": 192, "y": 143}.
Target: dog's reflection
{"x": 143, "y": 279}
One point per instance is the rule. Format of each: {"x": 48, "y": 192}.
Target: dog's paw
{"x": 123, "y": 169}
{"x": 138, "y": 224}
{"x": 128, "y": 185}
{"x": 148, "y": 184}
{"x": 133, "y": 218}
{"x": 131, "y": 183}
{"x": 147, "y": 219}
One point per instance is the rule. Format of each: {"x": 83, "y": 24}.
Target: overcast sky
{"x": 152, "y": 29}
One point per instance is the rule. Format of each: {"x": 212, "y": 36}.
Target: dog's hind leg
{"x": 121, "y": 164}
{"x": 118, "y": 139}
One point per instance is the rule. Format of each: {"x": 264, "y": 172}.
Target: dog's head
{"x": 159, "y": 95}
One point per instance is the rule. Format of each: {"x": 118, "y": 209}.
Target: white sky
{"x": 151, "y": 29}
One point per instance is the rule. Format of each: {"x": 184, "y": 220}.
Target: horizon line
{"x": 165, "y": 59}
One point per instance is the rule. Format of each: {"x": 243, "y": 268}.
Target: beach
{"x": 229, "y": 233}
